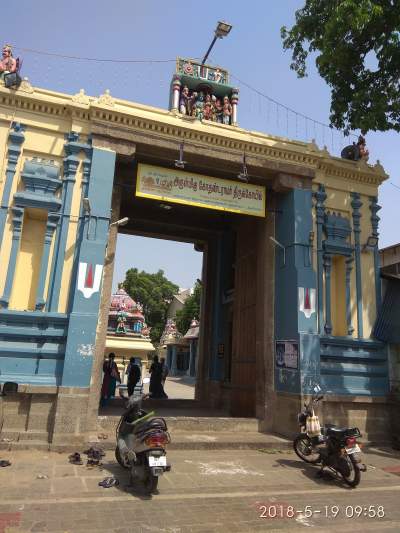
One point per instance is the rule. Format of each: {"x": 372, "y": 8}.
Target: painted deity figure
{"x": 184, "y": 101}
{"x": 8, "y": 63}
{"x": 364, "y": 152}
{"x": 121, "y": 322}
{"x": 208, "y": 108}
{"x": 226, "y": 111}
{"x": 217, "y": 76}
{"x": 198, "y": 108}
{"x": 218, "y": 111}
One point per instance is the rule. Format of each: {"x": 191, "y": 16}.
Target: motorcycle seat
{"x": 337, "y": 432}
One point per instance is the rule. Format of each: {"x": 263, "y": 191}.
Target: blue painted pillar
{"x": 320, "y": 197}
{"x": 51, "y": 225}
{"x": 328, "y": 302}
{"x": 356, "y": 205}
{"x": 71, "y": 163}
{"x": 174, "y": 367}
{"x": 85, "y": 299}
{"x": 16, "y": 138}
{"x": 18, "y": 215}
{"x": 192, "y": 359}
{"x": 349, "y": 268}
{"x": 295, "y": 295}
{"x": 374, "y": 208}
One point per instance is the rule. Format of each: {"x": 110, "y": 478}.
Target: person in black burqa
{"x": 156, "y": 373}
{"x": 133, "y": 375}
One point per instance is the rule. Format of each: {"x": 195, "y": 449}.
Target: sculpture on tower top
{"x": 9, "y": 68}
{"x": 203, "y": 92}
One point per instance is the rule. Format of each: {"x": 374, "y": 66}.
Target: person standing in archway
{"x": 110, "y": 378}
{"x": 133, "y": 376}
{"x": 156, "y": 389}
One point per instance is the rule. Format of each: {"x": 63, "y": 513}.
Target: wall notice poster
{"x": 287, "y": 354}
{"x": 189, "y": 188}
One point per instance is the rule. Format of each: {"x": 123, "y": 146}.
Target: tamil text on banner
{"x": 190, "y": 188}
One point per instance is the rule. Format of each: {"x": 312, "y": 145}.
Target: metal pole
{"x": 209, "y": 50}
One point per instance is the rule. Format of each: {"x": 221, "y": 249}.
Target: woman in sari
{"x": 156, "y": 373}
{"x": 110, "y": 378}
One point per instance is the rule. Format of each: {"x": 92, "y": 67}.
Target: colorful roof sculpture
{"x": 193, "y": 331}
{"x": 170, "y": 335}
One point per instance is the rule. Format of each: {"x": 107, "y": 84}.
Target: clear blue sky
{"x": 156, "y": 29}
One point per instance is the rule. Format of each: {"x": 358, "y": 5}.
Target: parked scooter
{"x": 141, "y": 441}
{"x": 332, "y": 447}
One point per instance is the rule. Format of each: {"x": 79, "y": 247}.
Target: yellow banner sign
{"x": 190, "y": 188}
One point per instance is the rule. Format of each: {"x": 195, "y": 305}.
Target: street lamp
{"x": 222, "y": 30}
{"x": 122, "y": 222}
{"x": 282, "y": 247}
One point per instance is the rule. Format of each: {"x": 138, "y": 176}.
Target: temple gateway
{"x": 291, "y": 283}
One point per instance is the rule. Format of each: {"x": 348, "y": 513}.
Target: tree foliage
{"x": 190, "y": 310}
{"x": 357, "y": 45}
{"x": 154, "y": 292}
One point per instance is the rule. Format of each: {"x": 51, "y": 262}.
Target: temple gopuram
{"x": 127, "y": 333}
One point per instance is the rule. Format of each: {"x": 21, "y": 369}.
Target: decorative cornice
{"x": 130, "y": 117}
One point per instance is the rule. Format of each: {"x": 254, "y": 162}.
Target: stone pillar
{"x": 234, "y": 101}
{"x": 51, "y": 225}
{"x": 84, "y": 304}
{"x": 320, "y": 197}
{"x": 349, "y": 268}
{"x": 176, "y": 89}
{"x": 71, "y": 163}
{"x": 374, "y": 208}
{"x": 18, "y": 215}
{"x": 295, "y": 295}
{"x": 328, "y": 311}
{"x": 356, "y": 205}
{"x": 174, "y": 368}
{"x": 16, "y": 138}
{"x": 192, "y": 360}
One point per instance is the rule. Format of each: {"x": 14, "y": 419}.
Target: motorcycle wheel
{"x": 119, "y": 458}
{"x": 151, "y": 483}
{"x": 303, "y": 449}
{"x": 354, "y": 478}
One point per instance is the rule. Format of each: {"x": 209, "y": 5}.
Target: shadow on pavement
{"x": 112, "y": 468}
{"x": 310, "y": 471}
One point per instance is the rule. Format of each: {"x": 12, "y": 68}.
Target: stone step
{"x": 197, "y": 424}
{"x": 158, "y": 403}
{"x": 215, "y": 440}
{"x": 25, "y": 445}
{"x": 33, "y": 435}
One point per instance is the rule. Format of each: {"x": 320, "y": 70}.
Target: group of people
{"x": 111, "y": 376}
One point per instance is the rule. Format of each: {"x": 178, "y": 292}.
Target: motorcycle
{"x": 141, "y": 441}
{"x": 332, "y": 447}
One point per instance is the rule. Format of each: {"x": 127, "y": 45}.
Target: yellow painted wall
{"x": 339, "y": 201}
{"x": 338, "y": 297}
{"x": 23, "y": 294}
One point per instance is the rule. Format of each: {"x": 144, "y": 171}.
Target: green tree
{"x": 357, "y": 47}
{"x": 154, "y": 292}
{"x": 190, "y": 310}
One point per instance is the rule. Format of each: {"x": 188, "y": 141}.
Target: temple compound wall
{"x": 303, "y": 312}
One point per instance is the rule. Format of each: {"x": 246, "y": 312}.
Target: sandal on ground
{"x": 109, "y": 482}
{"x": 75, "y": 459}
{"x": 5, "y": 463}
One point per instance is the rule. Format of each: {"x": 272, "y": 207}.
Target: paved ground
{"x": 206, "y": 491}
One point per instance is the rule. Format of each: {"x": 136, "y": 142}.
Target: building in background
{"x": 127, "y": 333}
{"x": 177, "y": 303}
